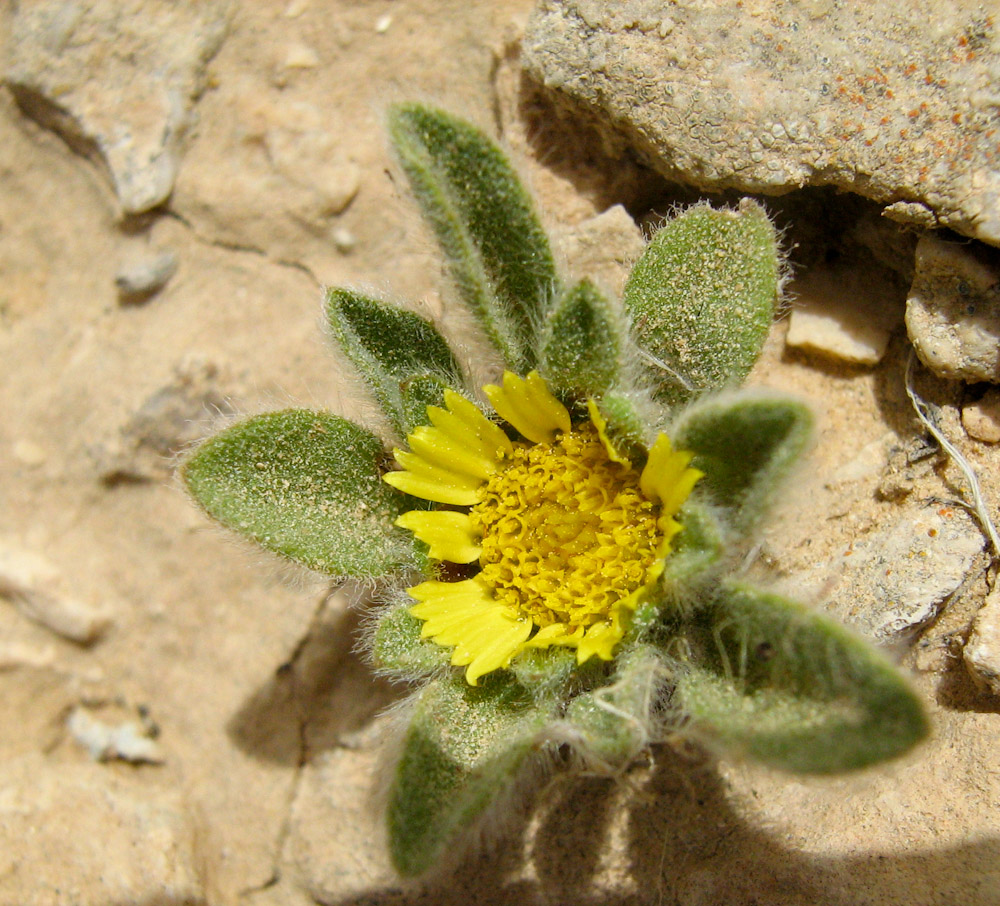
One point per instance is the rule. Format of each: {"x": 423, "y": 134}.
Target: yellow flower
{"x": 568, "y": 535}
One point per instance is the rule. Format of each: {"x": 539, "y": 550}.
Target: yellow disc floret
{"x": 566, "y": 532}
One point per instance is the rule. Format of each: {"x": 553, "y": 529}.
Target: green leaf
{"x": 702, "y": 298}
{"x": 462, "y": 751}
{"x": 769, "y": 679}
{"x": 392, "y": 349}
{"x": 306, "y": 485}
{"x": 583, "y": 342}
{"x": 695, "y": 551}
{"x": 613, "y": 724}
{"x": 398, "y": 647}
{"x": 746, "y": 444}
{"x": 497, "y": 252}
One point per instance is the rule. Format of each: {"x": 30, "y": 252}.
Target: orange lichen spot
{"x": 910, "y": 69}
{"x": 889, "y": 94}
{"x": 956, "y": 118}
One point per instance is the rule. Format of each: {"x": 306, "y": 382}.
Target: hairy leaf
{"x": 399, "y": 648}
{"x": 305, "y": 485}
{"x": 392, "y": 349}
{"x": 769, "y": 679}
{"x": 497, "y": 252}
{"x": 745, "y": 443}
{"x": 583, "y": 342}
{"x": 464, "y": 748}
{"x": 702, "y": 298}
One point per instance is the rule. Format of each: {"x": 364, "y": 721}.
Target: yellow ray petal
{"x": 555, "y": 634}
{"x": 673, "y": 500}
{"x": 545, "y": 403}
{"x": 500, "y": 648}
{"x": 599, "y": 639}
{"x": 666, "y": 476}
{"x": 472, "y": 418}
{"x": 464, "y": 614}
{"x": 443, "y": 489}
{"x": 449, "y": 535}
{"x": 528, "y": 406}
{"x": 438, "y": 449}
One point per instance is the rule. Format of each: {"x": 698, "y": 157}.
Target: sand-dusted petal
{"x": 469, "y": 415}
{"x": 449, "y": 535}
{"x": 537, "y": 415}
{"x": 437, "y": 448}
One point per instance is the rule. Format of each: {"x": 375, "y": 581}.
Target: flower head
{"x": 567, "y": 534}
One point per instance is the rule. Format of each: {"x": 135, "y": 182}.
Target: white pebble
{"x": 126, "y": 741}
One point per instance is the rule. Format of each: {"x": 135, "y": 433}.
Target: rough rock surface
{"x": 894, "y": 582}
{"x": 981, "y": 419}
{"x": 845, "y": 312}
{"x": 773, "y": 95}
{"x": 84, "y": 835}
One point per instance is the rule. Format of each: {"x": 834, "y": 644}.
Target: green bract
{"x": 741, "y": 669}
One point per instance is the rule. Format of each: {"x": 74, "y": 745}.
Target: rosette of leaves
{"x": 648, "y": 388}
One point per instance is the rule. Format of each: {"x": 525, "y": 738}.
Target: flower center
{"x": 566, "y": 532}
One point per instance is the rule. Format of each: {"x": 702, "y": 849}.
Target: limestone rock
{"x": 894, "y": 582}
{"x": 85, "y": 835}
{"x": 776, "y": 96}
{"x": 953, "y": 310}
{"x": 117, "y": 80}
{"x": 41, "y": 593}
{"x": 143, "y": 274}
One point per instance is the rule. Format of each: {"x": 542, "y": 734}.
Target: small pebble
{"x": 28, "y": 453}
{"x": 140, "y": 277}
{"x": 35, "y": 587}
{"x": 981, "y": 419}
{"x": 344, "y": 240}
{"x": 383, "y": 24}
{"x": 300, "y": 56}
{"x": 982, "y": 651}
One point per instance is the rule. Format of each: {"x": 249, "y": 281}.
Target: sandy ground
{"x": 240, "y": 670}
